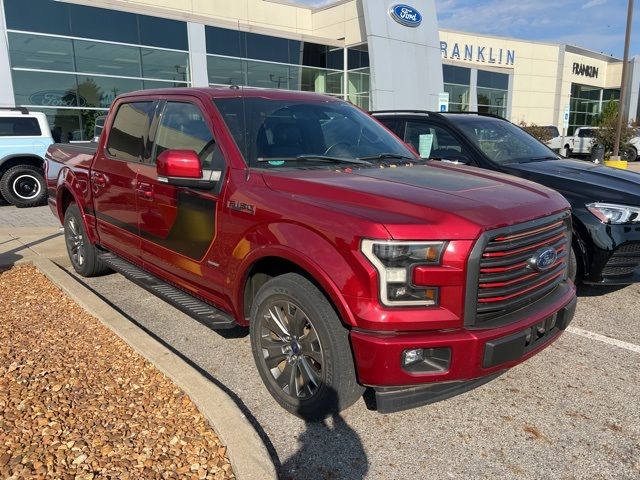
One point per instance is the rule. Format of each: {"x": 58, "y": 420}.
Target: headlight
{"x": 395, "y": 261}
{"x": 615, "y": 214}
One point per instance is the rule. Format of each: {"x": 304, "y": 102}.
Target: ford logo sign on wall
{"x": 544, "y": 259}
{"x": 406, "y": 15}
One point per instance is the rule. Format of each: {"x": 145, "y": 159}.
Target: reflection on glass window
{"x": 40, "y": 52}
{"x": 102, "y": 91}
{"x": 268, "y": 75}
{"x": 45, "y": 89}
{"x": 107, "y": 58}
{"x": 225, "y": 71}
{"x": 162, "y": 64}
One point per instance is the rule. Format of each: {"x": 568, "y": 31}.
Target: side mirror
{"x": 181, "y": 168}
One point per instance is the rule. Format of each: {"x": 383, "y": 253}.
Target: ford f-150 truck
{"x": 353, "y": 263}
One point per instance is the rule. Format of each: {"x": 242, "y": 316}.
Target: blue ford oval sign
{"x": 406, "y": 15}
{"x": 544, "y": 259}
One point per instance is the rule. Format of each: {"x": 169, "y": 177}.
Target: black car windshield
{"x": 502, "y": 141}
{"x": 297, "y": 133}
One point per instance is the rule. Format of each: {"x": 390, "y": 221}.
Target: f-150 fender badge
{"x": 242, "y": 207}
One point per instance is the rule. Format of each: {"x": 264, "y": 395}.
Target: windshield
{"x": 296, "y": 133}
{"x": 503, "y": 142}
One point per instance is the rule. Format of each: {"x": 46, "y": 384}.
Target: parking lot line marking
{"x": 601, "y": 338}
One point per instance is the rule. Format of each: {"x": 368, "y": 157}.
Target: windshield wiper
{"x": 321, "y": 158}
{"x": 384, "y": 156}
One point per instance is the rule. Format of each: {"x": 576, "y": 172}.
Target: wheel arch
{"x": 20, "y": 159}
{"x": 275, "y": 262}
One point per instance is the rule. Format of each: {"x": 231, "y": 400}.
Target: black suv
{"x": 605, "y": 201}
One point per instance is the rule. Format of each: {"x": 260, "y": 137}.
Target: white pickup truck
{"x": 581, "y": 144}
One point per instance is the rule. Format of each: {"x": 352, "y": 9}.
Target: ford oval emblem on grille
{"x": 544, "y": 259}
{"x": 406, "y": 15}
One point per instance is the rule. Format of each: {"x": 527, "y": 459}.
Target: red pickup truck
{"x": 353, "y": 262}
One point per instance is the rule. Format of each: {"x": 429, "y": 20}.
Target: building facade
{"x": 70, "y": 59}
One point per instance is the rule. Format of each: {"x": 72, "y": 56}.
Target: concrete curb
{"x": 248, "y": 455}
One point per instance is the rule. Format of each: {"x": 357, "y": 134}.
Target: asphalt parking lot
{"x": 570, "y": 412}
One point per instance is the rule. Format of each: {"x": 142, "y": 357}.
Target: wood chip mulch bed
{"x": 77, "y": 402}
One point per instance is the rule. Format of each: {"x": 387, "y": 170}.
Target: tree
{"x": 607, "y": 123}
{"x": 543, "y": 134}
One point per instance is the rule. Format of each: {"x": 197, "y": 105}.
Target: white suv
{"x": 24, "y": 139}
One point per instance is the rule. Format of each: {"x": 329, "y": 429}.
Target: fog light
{"x": 409, "y": 357}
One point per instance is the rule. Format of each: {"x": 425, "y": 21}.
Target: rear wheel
{"x": 24, "y": 186}
{"x": 302, "y": 349}
{"x": 629, "y": 153}
{"x": 82, "y": 253}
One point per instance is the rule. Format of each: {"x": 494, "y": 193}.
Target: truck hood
{"x": 582, "y": 182}
{"x": 404, "y": 197}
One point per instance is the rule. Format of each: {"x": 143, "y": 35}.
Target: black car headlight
{"x": 395, "y": 261}
{"x": 614, "y": 214}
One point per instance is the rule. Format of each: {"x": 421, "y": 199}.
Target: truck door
{"x": 178, "y": 224}
{"x": 113, "y": 178}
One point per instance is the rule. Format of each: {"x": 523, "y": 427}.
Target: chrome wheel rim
{"x": 291, "y": 349}
{"x": 26, "y": 187}
{"x": 75, "y": 242}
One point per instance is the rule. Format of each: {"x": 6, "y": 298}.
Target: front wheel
{"x": 302, "y": 349}
{"x": 24, "y": 186}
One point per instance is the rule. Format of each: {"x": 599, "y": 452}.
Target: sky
{"x": 597, "y": 25}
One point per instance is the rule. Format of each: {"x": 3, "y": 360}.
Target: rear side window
{"x": 587, "y": 133}
{"x": 19, "y": 127}
{"x": 128, "y": 135}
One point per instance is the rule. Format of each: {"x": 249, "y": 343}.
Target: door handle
{"x": 145, "y": 190}
{"x": 99, "y": 179}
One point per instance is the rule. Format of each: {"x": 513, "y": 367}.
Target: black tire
{"x": 323, "y": 354}
{"x": 573, "y": 267}
{"x": 630, "y": 153}
{"x": 83, "y": 254}
{"x": 24, "y": 186}
{"x": 566, "y": 152}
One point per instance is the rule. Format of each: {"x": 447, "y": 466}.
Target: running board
{"x": 197, "y": 309}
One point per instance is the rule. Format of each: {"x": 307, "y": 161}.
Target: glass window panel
{"x": 165, "y": 65}
{"x": 316, "y": 80}
{"x": 19, "y": 127}
{"x": 148, "y": 84}
{"x": 358, "y": 57}
{"x": 127, "y": 135}
{"x": 268, "y": 75}
{"x": 493, "y": 80}
{"x": 44, "y": 53}
{"x": 163, "y": 32}
{"x": 42, "y": 16}
{"x": 45, "y": 89}
{"x": 456, "y": 75}
{"x": 611, "y": 94}
{"x": 225, "y": 71}
{"x": 101, "y": 91}
{"x": 335, "y": 58}
{"x": 94, "y": 57}
{"x": 266, "y": 47}
{"x": 358, "y": 82}
{"x": 103, "y": 24}
{"x": 457, "y": 94}
{"x": 223, "y": 41}
{"x": 64, "y": 123}
{"x": 183, "y": 127}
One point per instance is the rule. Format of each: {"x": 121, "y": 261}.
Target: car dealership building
{"x": 70, "y": 59}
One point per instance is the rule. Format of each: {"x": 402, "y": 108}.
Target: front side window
{"x": 183, "y": 127}
{"x": 275, "y": 133}
{"x": 502, "y": 141}
{"x": 128, "y": 134}
{"x": 19, "y": 127}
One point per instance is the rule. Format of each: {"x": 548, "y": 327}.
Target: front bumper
{"x": 476, "y": 355}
